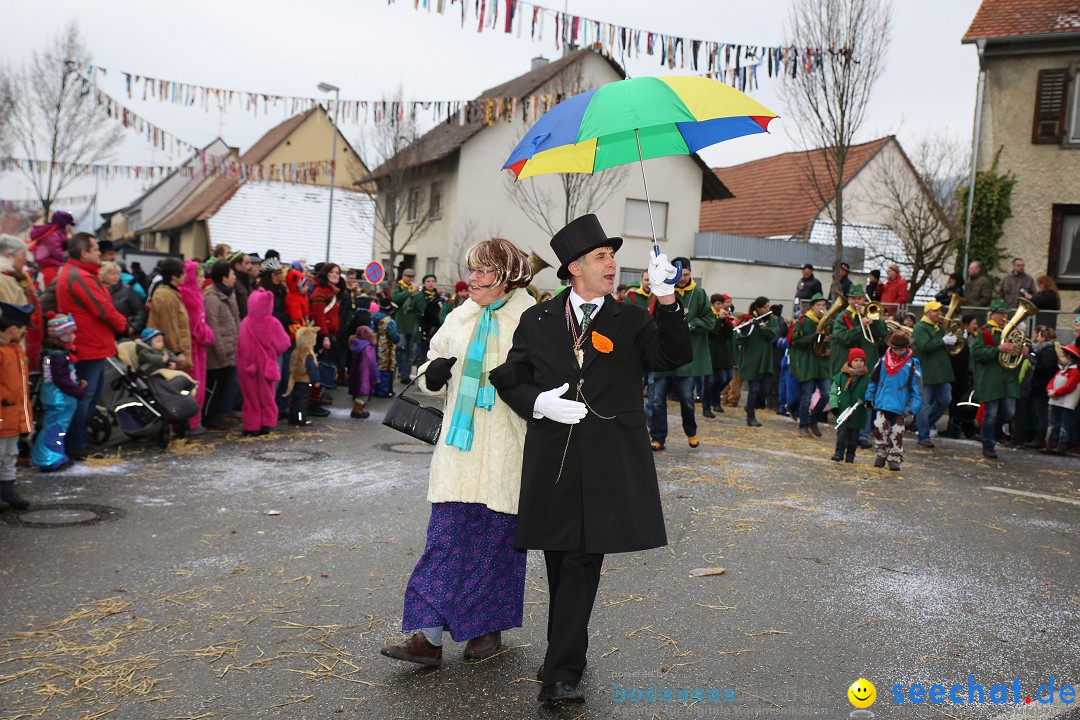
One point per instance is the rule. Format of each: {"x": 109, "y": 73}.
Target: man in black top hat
{"x": 588, "y": 482}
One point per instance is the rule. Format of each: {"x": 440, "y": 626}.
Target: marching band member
{"x": 931, "y": 347}
{"x": 755, "y": 342}
{"x": 852, "y": 329}
{"x": 811, "y": 371}
{"x": 997, "y": 388}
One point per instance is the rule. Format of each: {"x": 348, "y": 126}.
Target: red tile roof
{"x": 217, "y": 193}
{"x": 1012, "y": 18}
{"x": 776, "y": 196}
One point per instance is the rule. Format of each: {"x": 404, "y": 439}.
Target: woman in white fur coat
{"x": 471, "y": 579}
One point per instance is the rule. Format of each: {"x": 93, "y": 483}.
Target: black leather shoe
{"x": 561, "y": 691}
{"x": 317, "y": 411}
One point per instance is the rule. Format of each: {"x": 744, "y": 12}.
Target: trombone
{"x": 871, "y": 310}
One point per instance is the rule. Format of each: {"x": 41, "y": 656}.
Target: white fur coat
{"x": 490, "y": 473}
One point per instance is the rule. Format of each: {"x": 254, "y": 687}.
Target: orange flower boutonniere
{"x": 601, "y": 343}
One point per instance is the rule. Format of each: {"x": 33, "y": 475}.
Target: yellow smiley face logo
{"x": 862, "y": 693}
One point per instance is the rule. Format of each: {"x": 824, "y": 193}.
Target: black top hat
{"x": 16, "y": 314}
{"x": 580, "y": 237}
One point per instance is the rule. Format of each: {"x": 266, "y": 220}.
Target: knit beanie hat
{"x": 460, "y": 285}
{"x": 855, "y": 353}
{"x": 149, "y": 334}
{"x": 59, "y": 324}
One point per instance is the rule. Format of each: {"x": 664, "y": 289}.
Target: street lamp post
{"x": 327, "y": 87}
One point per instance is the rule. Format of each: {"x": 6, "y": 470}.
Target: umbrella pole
{"x": 648, "y": 203}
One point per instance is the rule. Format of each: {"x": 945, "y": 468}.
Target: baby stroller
{"x": 159, "y": 404}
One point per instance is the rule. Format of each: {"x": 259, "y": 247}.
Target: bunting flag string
{"x": 35, "y": 204}
{"x": 735, "y": 63}
{"x": 202, "y": 165}
{"x": 355, "y": 112}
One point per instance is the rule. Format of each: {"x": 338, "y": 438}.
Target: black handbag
{"x": 410, "y": 417}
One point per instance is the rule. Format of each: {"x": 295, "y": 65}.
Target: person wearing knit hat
{"x": 932, "y": 349}
{"x": 996, "y": 388}
{"x": 461, "y": 294}
{"x": 1063, "y": 393}
{"x": 852, "y": 328}
{"x": 152, "y": 353}
{"x": 60, "y": 393}
{"x": 893, "y": 396}
{"x": 848, "y": 396}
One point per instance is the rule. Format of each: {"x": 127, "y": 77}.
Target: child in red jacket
{"x": 14, "y": 398}
{"x": 1063, "y": 392}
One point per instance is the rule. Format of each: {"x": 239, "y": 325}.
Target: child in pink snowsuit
{"x": 262, "y": 340}
{"x": 202, "y": 335}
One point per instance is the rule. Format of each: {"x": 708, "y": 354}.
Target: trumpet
{"x": 894, "y": 326}
{"x": 873, "y": 311}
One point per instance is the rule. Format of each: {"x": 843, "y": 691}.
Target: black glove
{"x": 438, "y": 373}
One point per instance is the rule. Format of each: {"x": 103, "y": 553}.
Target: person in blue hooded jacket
{"x": 893, "y": 396}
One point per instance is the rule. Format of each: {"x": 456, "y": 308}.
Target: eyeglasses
{"x": 480, "y": 272}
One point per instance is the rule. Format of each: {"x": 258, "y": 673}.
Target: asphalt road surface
{"x": 257, "y": 578}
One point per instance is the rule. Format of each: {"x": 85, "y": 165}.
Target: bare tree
{"x": 918, "y": 196}
{"x": 407, "y": 194}
{"x": 7, "y": 103}
{"x": 828, "y": 105}
{"x": 551, "y": 205}
{"x": 56, "y": 117}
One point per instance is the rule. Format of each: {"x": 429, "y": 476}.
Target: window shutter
{"x": 1049, "y": 126}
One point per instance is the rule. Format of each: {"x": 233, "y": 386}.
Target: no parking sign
{"x": 374, "y": 272}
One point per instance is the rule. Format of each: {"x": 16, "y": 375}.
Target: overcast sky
{"x": 369, "y": 48}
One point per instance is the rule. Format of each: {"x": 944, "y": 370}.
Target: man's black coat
{"x": 606, "y": 499}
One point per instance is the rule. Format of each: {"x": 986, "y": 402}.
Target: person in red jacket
{"x": 894, "y": 292}
{"x": 47, "y": 245}
{"x": 296, "y": 301}
{"x": 325, "y": 307}
{"x": 80, "y": 292}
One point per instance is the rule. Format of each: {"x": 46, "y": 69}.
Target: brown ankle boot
{"x": 358, "y": 410}
{"x": 484, "y": 646}
{"x": 416, "y": 649}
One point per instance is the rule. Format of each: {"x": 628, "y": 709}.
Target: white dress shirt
{"x": 576, "y": 301}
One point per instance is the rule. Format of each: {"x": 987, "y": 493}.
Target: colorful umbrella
{"x": 636, "y": 119}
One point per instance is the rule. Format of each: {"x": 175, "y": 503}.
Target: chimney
{"x": 538, "y": 62}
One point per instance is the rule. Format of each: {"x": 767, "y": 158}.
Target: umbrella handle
{"x": 648, "y": 203}
{"x": 678, "y": 265}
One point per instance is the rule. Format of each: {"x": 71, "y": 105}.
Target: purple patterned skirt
{"x": 471, "y": 578}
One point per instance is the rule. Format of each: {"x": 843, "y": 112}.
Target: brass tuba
{"x": 953, "y": 326}
{"x": 821, "y": 337}
{"x": 1012, "y": 333}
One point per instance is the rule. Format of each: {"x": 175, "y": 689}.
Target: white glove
{"x": 551, "y": 405}
{"x": 949, "y": 339}
{"x": 659, "y": 271}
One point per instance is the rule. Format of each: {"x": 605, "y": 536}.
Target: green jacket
{"x": 755, "y": 343}
{"x": 721, "y": 345}
{"x": 699, "y": 316}
{"x": 847, "y": 333}
{"x": 805, "y": 364}
{"x": 842, "y": 397}
{"x": 992, "y": 382}
{"x": 643, "y": 300}
{"x": 406, "y": 316}
{"x": 932, "y": 353}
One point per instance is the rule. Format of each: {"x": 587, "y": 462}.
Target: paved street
{"x": 257, "y": 578}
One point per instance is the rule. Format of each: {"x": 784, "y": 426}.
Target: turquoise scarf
{"x": 474, "y": 390}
